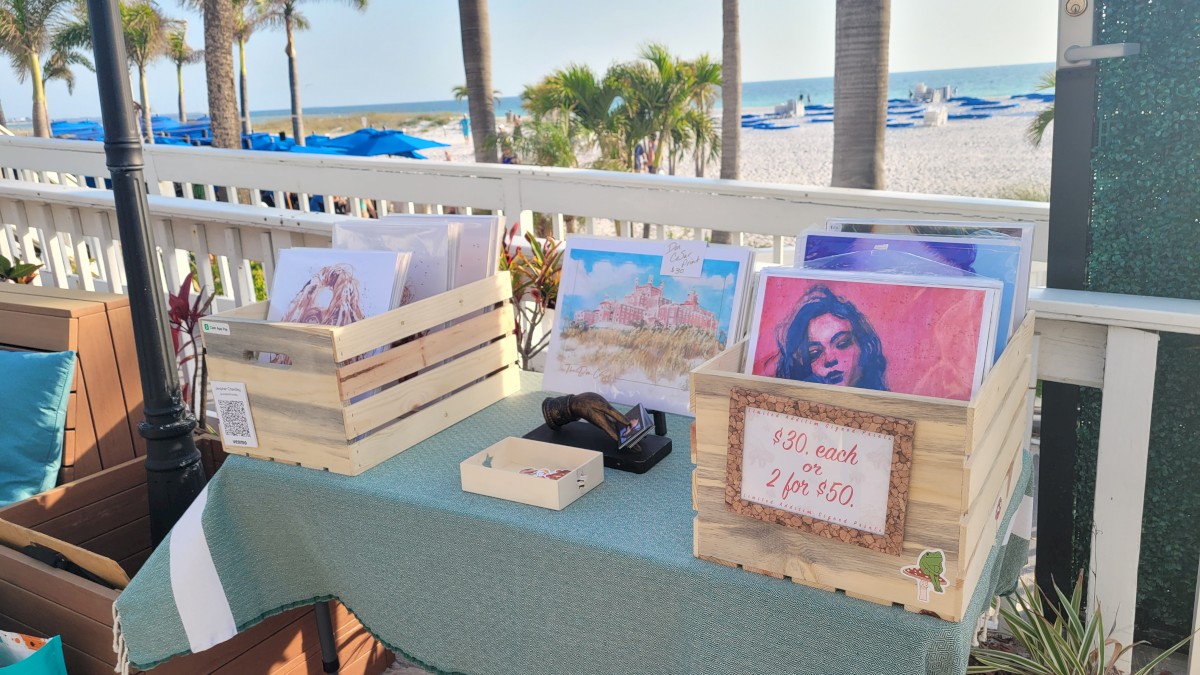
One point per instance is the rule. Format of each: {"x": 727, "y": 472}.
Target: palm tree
{"x": 25, "y": 34}
{"x": 181, "y": 54}
{"x": 218, "y": 70}
{"x": 146, "y": 29}
{"x": 860, "y": 92}
{"x": 246, "y": 20}
{"x": 658, "y": 87}
{"x": 1039, "y": 124}
{"x": 706, "y": 83}
{"x": 579, "y": 98}
{"x": 460, "y": 93}
{"x": 477, "y": 63}
{"x": 284, "y": 14}
{"x": 731, "y": 100}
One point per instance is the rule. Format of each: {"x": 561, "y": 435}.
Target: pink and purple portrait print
{"x": 910, "y": 339}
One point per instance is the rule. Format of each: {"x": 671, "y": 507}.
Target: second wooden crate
{"x": 343, "y": 406}
{"x": 965, "y": 464}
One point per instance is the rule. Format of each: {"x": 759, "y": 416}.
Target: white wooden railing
{"x": 1090, "y": 339}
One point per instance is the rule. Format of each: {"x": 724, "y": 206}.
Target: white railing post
{"x": 1125, "y": 412}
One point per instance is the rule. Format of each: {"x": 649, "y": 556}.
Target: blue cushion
{"x": 33, "y": 411}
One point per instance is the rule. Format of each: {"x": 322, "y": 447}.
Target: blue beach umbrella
{"x": 372, "y": 142}
{"x": 317, "y": 150}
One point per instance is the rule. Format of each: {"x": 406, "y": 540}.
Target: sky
{"x": 409, "y": 50}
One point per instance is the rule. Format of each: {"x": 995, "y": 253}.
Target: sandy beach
{"x": 975, "y": 158}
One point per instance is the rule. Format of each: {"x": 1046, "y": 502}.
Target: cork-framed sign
{"x": 817, "y": 468}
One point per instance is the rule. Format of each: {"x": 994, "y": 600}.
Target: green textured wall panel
{"x": 1146, "y": 240}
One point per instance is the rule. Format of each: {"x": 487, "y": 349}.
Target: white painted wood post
{"x": 1124, "y": 445}
{"x": 1194, "y": 652}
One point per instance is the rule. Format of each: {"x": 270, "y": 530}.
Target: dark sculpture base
{"x": 638, "y": 459}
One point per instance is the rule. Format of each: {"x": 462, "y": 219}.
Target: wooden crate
{"x": 102, "y": 524}
{"x": 966, "y": 459}
{"x": 328, "y": 410}
{"x": 105, "y": 404}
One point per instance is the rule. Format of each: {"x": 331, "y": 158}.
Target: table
{"x": 466, "y": 583}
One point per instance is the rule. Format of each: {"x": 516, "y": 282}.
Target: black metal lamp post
{"x": 174, "y": 472}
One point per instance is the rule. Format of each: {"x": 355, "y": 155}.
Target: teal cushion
{"x": 33, "y": 411}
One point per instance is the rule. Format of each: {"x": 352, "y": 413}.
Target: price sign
{"x": 818, "y": 469}
{"x": 684, "y": 259}
{"x": 827, "y": 470}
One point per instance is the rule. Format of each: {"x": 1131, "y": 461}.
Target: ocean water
{"x": 988, "y": 81}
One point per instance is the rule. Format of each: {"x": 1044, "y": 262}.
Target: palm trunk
{"x": 860, "y": 92}
{"x": 41, "y": 119}
{"x": 179, "y": 78}
{"x": 731, "y": 100}
{"x": 3, "y": 119}
{"x": 247, "y": 127}
{"x": 477, "y": 62}
{"x": 294, "y": 82}
{"x": 218, "y": 69}
{"x": 146, "y": 127}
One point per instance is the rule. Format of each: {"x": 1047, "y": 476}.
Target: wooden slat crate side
{"x": 84, "y": 597}
{"x": 373, "y": 332}
{"x": 106, "y": 398}
{"x": 87, "y": 635}
{"x": 99, "y": 516}
{"x": 86, "y": 460}
{"x": 980, "y": 526}
{"x": 85, "y": 299}
{"x": 1012, "y": 368}
{"x": 359, "y": 377}
{"x": 120, "y": 324}
{"x": 415, "y": 394}
{"x": 17, "y": 298}
{"x": 928, "y": 523}
{"x": 419, "y": 426}
{"x": 82, "y": 493}
{"x": 1008, "y": 438}
{"x": 231, "y": 650}
{"x": 992, "y": 445}
{"x": 78, "y": 663}
{"x": 121, "y": 542}
{"x": 39, "y": 332}
{"x": 817, "y": 561}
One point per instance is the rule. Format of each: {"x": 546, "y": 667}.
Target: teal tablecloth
{"x": 465, "y": 583}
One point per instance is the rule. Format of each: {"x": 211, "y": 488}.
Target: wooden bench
{"x": 99, "y": 518}
{"x": 106, "y": 396}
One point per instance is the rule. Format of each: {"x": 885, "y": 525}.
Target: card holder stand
{"x": 638, "y": 459}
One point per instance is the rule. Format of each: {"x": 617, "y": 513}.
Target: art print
{"x": 995, "y": 258}
{"x": 631, "y": 332}
{"x": 926, "y": 336}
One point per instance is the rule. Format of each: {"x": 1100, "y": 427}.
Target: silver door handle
{"x": 1075, "y": 53}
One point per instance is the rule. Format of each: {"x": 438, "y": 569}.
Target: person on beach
{"x": 828, "y": 341}
{"x": 465, "y": 123}
{"x": 639, "y": 158}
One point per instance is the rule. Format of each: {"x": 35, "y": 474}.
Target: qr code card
{"x": 233, "y": 408}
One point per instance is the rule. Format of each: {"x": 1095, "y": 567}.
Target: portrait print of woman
{"x": 827, "y": 340}
{"x": 906, "y": 334}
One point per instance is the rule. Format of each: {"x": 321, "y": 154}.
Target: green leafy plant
{"x": 535, "y": 278}
{"x": 1057, "y": 642}
{"x": 17, "y": 272}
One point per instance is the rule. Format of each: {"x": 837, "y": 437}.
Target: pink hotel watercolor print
{"x": 933, "y": 337}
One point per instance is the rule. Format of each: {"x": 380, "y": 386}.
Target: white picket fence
{"x": 1091, "y": 339}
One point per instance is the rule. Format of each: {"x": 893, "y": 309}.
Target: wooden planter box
{"x": 105, "y": 404}
{"x": 965, "y": 461}
{"x": 102, "y": 524}
{"x": 343, "y": 408}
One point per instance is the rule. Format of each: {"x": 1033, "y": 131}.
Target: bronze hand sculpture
{"x": 589, "y": 406}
